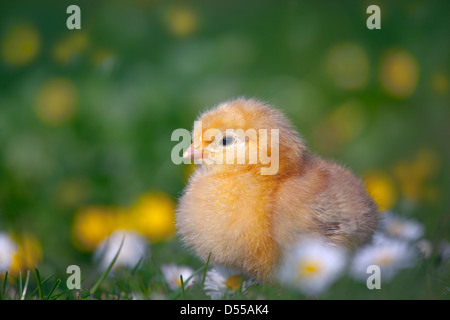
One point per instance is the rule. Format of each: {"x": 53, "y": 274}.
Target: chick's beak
{"x": 192, "y": 153}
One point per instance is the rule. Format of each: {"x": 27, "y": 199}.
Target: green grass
{"x": 428, "y": 279}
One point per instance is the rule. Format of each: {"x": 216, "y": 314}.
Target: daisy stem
{"x": 39, "y": 284}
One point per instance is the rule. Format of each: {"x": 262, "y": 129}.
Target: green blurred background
{"x": 86, "y": 115}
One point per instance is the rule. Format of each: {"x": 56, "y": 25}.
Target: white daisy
{"x": 172, "y": 272}
{"x": 135, "y": 247}
{"x": 391, "y": 255}
{"x": 221, "y": 281}
{"x": 312, "y": 266}
{"x": 8, "y": 248}
{"x": 399, "y": 227}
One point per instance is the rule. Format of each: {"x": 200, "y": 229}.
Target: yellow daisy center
{"x": 383, "y": 259}
{"x": 234, "y": 282}
{"x": 309, "y": 269}
{"x": 396, "y": 228}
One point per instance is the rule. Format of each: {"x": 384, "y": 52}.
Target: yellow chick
{"x": 258, "y": 189}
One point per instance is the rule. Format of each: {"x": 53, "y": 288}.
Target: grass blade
{"x": 56, "y": 296}
{"x": 26, "y": 286}
{"x": 123, "y": 289}
{"x": 48, "y": 278}
{"x": 39, "y": 284}
{"x": 55, "y": 286}
{"x": 196, "y": 272}
{"x": 105, "y": 273}
{"x": 182, "y": 286}
{"x": 160, "y": 275}
{"x": 43, "y": 282}
{"x": 177, "y": 292}
{"x": 133, "y": 271}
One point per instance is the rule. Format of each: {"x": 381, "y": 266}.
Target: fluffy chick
{"x": 247, "y": 219}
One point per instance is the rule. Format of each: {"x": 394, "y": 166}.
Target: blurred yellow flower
{"x": 181, "y": 21}
{"x": 440, "y": 83}
{"x": 380, "y": 186}
{"x": 68, "y": 48}
{"x": 20, "y": 45}
{"x": 414, "y": 175}
{"x": 154, "y": 216}
{"x": 348, "y": 65}
{"x": 91, "y": 225}
{"x": 399, "y": 73}
{"x": 29, "y": 253}
{"x": 56, "y": 102}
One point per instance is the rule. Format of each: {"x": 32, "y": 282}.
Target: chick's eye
{"x": 227, "y": 141}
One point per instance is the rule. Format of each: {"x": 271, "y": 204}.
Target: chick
{"x": 247, "y": 219}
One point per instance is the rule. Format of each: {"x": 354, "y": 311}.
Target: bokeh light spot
{"x": 56, "y": 102}
{"x": 70, "y": 47}
{"x": 181, "y": 21}
{"x": 399, "y": 73}
{"x": 348, "y": 66}
{"x": 20, "y": 45}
